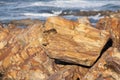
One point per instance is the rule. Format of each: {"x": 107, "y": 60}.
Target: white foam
{"x": 74, "y": 3}
{"x": 56, "y": 12}
{"x": 39, "y": 14}
{"x": 2, "y": 2}
{"x": 96, "y": 17}
{"x": 67, "y": 4}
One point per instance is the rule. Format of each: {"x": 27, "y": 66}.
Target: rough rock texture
{"x": 38, "y": 67}
{"x": 21, "y": 45}
{"x": 20, "y": 42}
{"x": 111, "y": 24}
{"x": 22, "y": 57}
{"x": 60, "y": 49}
{"x": 107, "y": 67}
{"x": 68, "y": 72}
{"x": 73, "y": 42}
{"x": 61, "y": 25}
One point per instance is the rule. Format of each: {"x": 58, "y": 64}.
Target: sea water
{"x": 41, "y": 9}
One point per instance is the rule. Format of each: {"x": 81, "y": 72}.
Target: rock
{"x": 111, "y": 24}
{"x": 69, "y": 72}
{"x": 26, "y": 22}
{"x": 84, "y": 20}
{"x": 22, "y": 45}
{"x": 4, "y": 33}
{"x": 61, "y": 25}
{"x": 107, "y": 67}
{"x": 1, "y": 26}
{"x": 23, "y": 57}
{"x": 37, "y": 67}
{"x": 11, "y": 26}
{"x": 3, "y": 44}
{"x": 88, "y": 13}
{"x": 73, "y": 42}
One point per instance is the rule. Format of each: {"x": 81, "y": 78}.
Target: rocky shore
{"x": 61, "y": 49}
{"x": 89, "y": 13}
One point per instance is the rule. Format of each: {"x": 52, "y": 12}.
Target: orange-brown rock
{"x": 79, "y": 44}
{"x": 23, "y": 57}
{"x": 111, "y": 24}
{"x": 61, "y": 25}
{"x": 68, "y": 72}
{"x": 107, "y": 67}
{"x": 20, "y": 46}
{"x": 38, "y": 67}
{"x": 3, "y": 34}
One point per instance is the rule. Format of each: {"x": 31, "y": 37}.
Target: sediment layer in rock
{"x": 23, "y": 57}
{"x": 60, "y": 49}
{"x": 111, "y": 24}
{"x": 73, "y": 42}
{"x": 107, "y": 68}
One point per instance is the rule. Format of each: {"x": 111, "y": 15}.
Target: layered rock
{"x": 111, "y": 24}
{"x": 21, "y": 45}
{"x": 60, "y": 49}
{"x": 37, "y": 67}
{"x": 61, "y": 25}
{"x": 23, "y": 57}
{"x": 68, "y": 72}
{"x": 107, "y": 67}
{"x": 73, "y": 42}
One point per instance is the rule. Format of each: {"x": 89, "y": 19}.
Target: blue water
{"x": 41, "y": 9}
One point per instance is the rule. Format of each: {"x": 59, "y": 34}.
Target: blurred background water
{"x": 41, "y": 9}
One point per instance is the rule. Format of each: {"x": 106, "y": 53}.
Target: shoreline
{"x": 64, "y": 14}
{"x": 60, "y": 46}
{"x": 89, "y": 13}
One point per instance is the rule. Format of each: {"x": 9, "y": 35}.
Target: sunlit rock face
{"x": 60, "y": 49}
{"x": 74, "y": 42}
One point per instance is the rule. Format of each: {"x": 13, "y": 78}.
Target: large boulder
{"x": 73, "y": 42}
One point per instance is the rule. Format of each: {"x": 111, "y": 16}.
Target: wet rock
{"x": 88, "y": 13}
{"x": 111, "y": 24}
{"x": 73, "y": 42}
{"x": 25, "y": 22}
{"x": 107, "y": 67}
